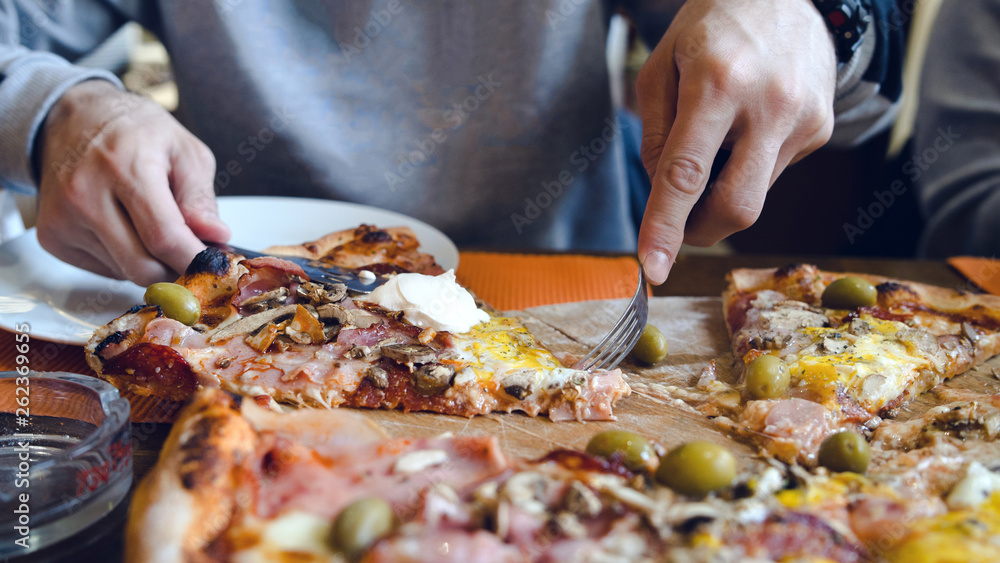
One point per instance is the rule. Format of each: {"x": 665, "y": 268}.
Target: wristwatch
{"x": 847, "y": 20}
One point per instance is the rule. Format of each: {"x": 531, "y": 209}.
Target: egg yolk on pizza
{"x": 873, "y": 368}
{"x": 969, "y": 536}
{"x": 502, "y": 344}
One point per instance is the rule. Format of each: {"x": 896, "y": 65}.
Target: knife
{"x": 357, "y": 281}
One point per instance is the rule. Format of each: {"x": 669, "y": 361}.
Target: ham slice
{"x": 267, "y": 273}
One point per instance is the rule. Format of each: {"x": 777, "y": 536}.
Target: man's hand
{"x": 126, "y": 191}
{"x": 753, "y": 76}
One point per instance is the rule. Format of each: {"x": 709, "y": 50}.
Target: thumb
{"x": 192, "y": 173}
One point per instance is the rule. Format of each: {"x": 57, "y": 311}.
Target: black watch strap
{"x": 847, "y": 20}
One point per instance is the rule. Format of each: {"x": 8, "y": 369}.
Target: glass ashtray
{"x": 65, "y": 456}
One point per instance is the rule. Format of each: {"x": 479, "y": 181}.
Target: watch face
{"x": 847, "y": 21}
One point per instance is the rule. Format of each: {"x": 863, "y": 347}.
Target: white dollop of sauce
{"x": 974, "y": 488}
{"x": 436, "y": 302}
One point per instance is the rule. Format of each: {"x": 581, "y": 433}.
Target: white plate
{"x": 62, "y": 303}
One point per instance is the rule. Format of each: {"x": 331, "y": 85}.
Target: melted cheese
{"x": 822, "y": 490}
{"x": 974, "y": 488}
{"x": 968, "y": 536}
{"x": 501, "y": 345}
{"x": 294, "y": 536}
{"x": 873, "y": 368}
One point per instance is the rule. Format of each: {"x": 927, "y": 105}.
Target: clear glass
{"x": 65, "y": 456}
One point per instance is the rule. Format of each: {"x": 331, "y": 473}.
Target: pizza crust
{"x": 188, "y": 498}
{"x": 746, "y": 280}
{"x": 322, "y": 246}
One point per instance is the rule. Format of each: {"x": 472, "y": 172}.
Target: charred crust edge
{"x": 787, "y": 270}
{"x": 892, "y": 287}
{"x": 376, "y": 236}
{"x": 141, "y": 306}
{"x": 201, "y": 463}
{"x": 113, "y": 338}
{"x": 209, "y": 261}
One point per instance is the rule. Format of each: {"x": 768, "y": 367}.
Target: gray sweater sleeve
{"x": 955, "y": 163}
{"x": 36, "y": 38}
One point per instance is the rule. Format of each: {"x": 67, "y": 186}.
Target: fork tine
{"x": 623, "y": 344}
{"x": 623, "y": 336}
{"x": 626, "y": 345}
{"x": 598, "y": 351}
{"x": 610, "y": 341}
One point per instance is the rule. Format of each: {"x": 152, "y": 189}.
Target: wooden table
{"x": 693, "y": 276}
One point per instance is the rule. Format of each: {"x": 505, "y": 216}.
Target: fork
{"x": 319, "y": 272}
{"x": 623, "y": 336}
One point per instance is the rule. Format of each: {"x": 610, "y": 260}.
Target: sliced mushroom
{"x": 410, "y": 353}
{"x": 347, "y": 317}
{"x": 525, "y": 490}
{"x": 920, "y": 339}
{"x": 793, "y": 315}
{"x": 365, "y": 353}
{"x": 377, "y": 376}
{"x": 970, "y": 332}
{"x": 319, "y": 294}
{"x": 582, "y": 501}
{"x": 266, "y": 300}
{"x": 860, "y": 327}
{"x": 835, "y": 345}
{"x": 769, "y": 340}
{"x": 568, "y": 524}
{"x": 330, "y": 332}
{"x": 433, "y": 379}
{"x": 519, "y": 383}
{"x": 247, "y": 325}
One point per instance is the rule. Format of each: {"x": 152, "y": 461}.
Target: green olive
{"x": 845, "y": 451}
{"x": 361, "y": 524}
{"x": 637, "y": 453}
{"x": 176, "y": 302}
{"x": 767, "y": 377}
{"x": 697, "y": 468}
{"x": 850, "y": 293}
{"x": 651, "y": 346}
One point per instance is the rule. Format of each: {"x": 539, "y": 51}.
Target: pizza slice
{"x": 236, "y": 482}
{"x": 393, "y": 249}
{"x": 419, "y": 342}
{"x": 836, "y": 364}
{"x": 312, "y": 486}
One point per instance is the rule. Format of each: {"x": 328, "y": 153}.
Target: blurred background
{"x": 808, "y": 211}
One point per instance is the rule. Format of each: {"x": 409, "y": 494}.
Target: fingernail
{"x": 656, "y": 266}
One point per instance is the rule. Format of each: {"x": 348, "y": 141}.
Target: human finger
{"x": 156, "y": 221}
{"x": 192, "y": 173}
{"x": 698, "y": 131}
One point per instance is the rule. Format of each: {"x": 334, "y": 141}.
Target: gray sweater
{"x": 955, "y": 162}
{"x": 492, "y": 121}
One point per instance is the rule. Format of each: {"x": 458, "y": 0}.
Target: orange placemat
{"x": 519, "y": 281}
{"x": 507, "y": 281}
{"x": 984, "y": 272}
